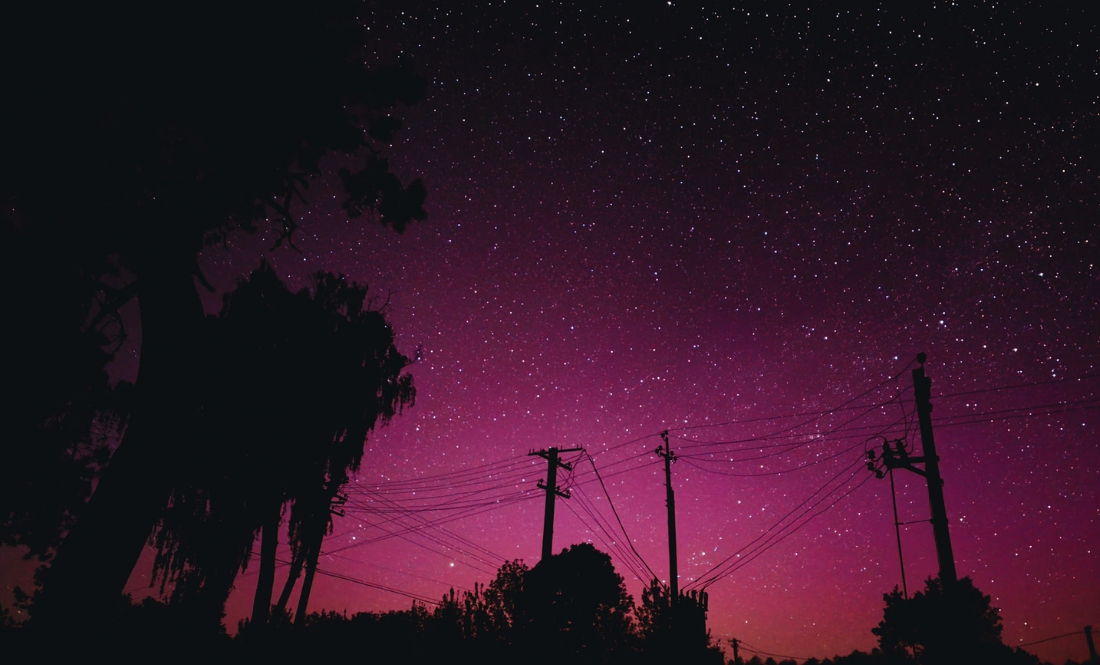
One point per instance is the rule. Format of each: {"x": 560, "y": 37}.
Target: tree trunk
{"x": 291, "y": 580}
{"x": 307, "y": 583}
{"x": 269, "y": 545}
{"x": 95, "y": 560}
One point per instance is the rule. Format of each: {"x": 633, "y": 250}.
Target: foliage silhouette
{"x": 504, "y": 599}
{"x": 137, "y": 137}
{"x": 674, "y": 630}
{"x": 63, "y": 413}
{"x": 296, "y": 383}
{"x": 497, "y": 623}
{"x": 944, "y": 624}
{"x": 574, "y": 605}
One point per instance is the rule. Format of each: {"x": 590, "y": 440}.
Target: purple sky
{"x": 674, "y": 218}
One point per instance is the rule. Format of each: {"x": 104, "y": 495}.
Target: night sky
{"x": 740, "y": 225}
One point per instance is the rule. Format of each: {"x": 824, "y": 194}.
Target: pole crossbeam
{"x": 552, "y": 456}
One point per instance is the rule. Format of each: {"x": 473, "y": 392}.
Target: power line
{"x": 845, "y": 406}
{"x": 446, "y": 502}
{"x": 432, "y": 501}
{"x": 627, "y": 443}
{"x": 1057, "y": 407}
{"x": 775, "y": 525}
{"x": 455, "y": 486}
{"x": 449, "y": 533}
{"x": 637, "y": 565}
{"x": 942, "y": 421}
{"x": 724, "y": 570}
{"x": 462, "y": 490}
{"x": 848, "y": 406}
{"x": 468, "y": 512}
{"x": 410, "y": 531}
{"x": 608, "y": 542}
{"x": 619, "y": 519}
{"x": 787, "y": 430}
{"x": 826, "y": 412}
{"x": 780, "y": 536}
{"x": 584, "y": 474}
{"x": 460, "y": 472}
{"x": 759, "y": 551}
{"x": 1015, "y": 386}
{"x": 826, "y": 437}
{"x": 373, "y": 585}
{"x": 1049, "y": 639}
{"x": 724, "y": 567}
{"x": 775, "y": 473}
{"x": 406, "y": 573}
{"x": 752, "y": 649}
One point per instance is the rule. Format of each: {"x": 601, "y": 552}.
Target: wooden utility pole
{"x": 899, "y": 458}
{"x": 670, "y": 501}
{"x": 922, "y": 391}
{"x": 1093, "y": 658}
{"x": 734, "y": 642}
{"x": 552, "y": 492}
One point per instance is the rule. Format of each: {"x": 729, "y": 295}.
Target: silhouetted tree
{"x": 504, "y": 599}
{"x": 944, "y": 624}
{"x": 670, "y": 631}
{"x": 135, "y": 136}
{"x": 363, "y": 385}
{"x": 484, "y": 624}
{"x": 654, "y": 615}
{"x": 654, "y": 622}
{"x": 574, "y": 605}
{"x": 237, "y": 462}
{"x": 297, "y": 382}
{"x": 60, "y": 413}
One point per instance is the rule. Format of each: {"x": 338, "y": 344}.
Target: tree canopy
{"x": 296, "y": 381}
{"x": 134, "y": 136}
{"x": 944, "y": 623}
{"x": 138, "y": 133}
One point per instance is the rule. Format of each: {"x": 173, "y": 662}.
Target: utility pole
{"x": 552, "y": 492}
{"x": 670, "y": 501}
{"x": 922, "y": 391}
{"x": 899, "y": 458}
{"x": 1093, "y": 658}
{"x": 734, "y": 642}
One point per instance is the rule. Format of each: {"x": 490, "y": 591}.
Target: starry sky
{"x": 739, "y": 225}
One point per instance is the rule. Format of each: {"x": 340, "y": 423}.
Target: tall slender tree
{"x": 301, "y": 381}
